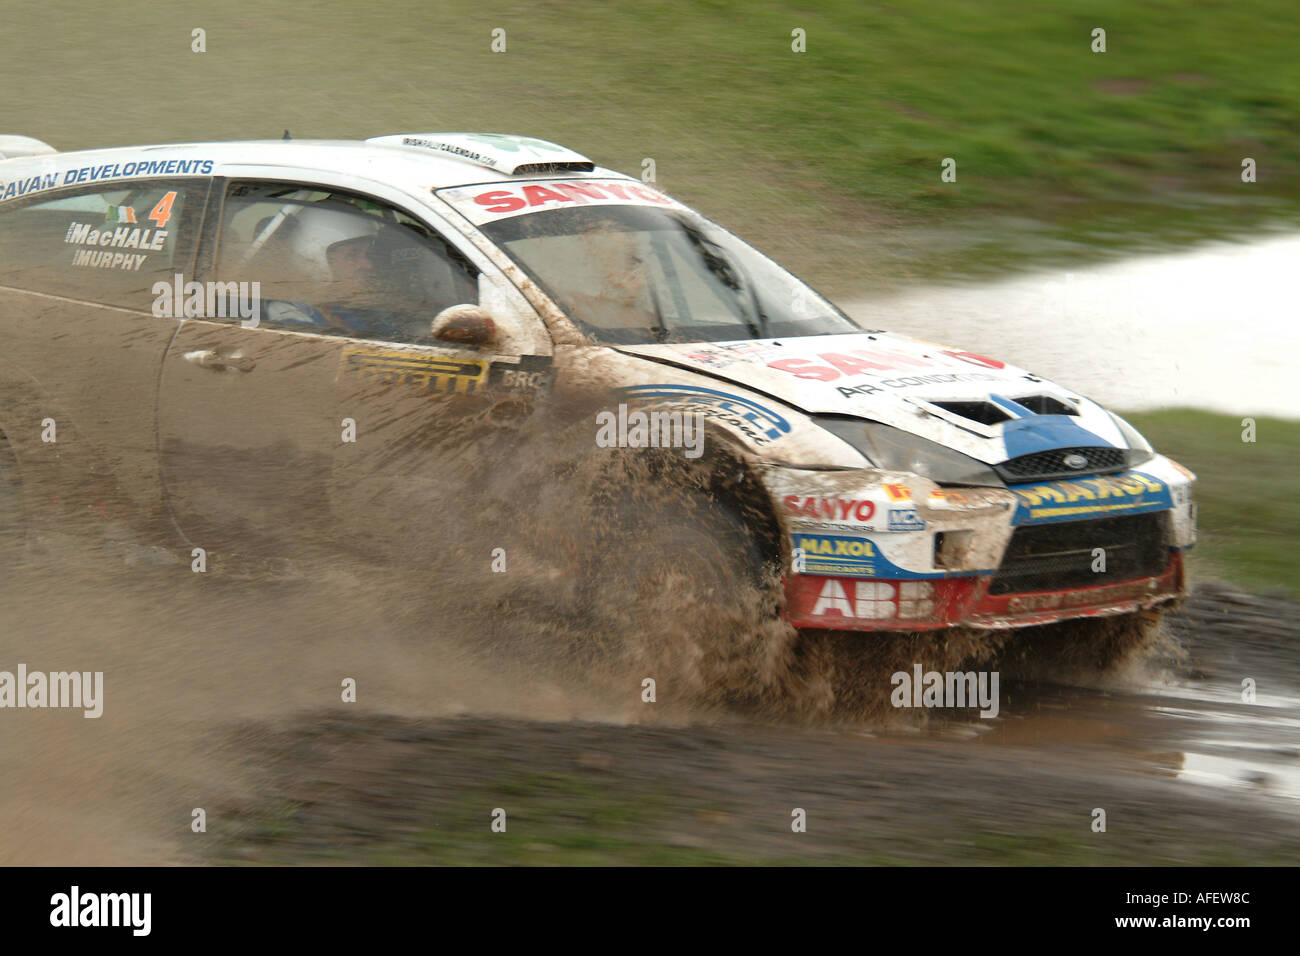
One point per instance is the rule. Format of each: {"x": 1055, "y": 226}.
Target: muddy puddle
{"x": 1213, "y": 327}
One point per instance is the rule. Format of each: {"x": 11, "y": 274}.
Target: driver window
{"x": 340, "y": 264}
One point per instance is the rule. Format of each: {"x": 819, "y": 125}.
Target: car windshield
{"x": 635, "y": 275}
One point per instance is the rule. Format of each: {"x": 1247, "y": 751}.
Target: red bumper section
{"x": 858, "y": 604}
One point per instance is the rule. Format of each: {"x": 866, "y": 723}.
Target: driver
{"x": 330, "y": 247}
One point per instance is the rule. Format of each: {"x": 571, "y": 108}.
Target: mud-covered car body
{"x": 907, "y": 485}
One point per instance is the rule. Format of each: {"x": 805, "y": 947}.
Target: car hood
{"x": 980, "y": 406}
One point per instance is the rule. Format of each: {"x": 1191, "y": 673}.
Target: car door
{"x": 83, "y": 345}
{"x": 289, "y": 430}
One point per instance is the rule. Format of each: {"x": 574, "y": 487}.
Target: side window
{"x": 106, "y": 245}
{"x": 339, "y": 263}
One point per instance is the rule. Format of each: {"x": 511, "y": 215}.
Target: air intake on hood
{"x": 1046, "y": 405}
{"x": 986, "y": 413}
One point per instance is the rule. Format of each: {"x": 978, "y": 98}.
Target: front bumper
{"x": 873, "y": 551}
{"x": 858, "y": 604}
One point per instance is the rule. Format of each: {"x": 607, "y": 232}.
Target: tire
{"x": 676, "y": 586}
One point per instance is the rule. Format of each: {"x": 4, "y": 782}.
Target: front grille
{"x": 1052, "y": 557}
{"x": 1047, "y": 465}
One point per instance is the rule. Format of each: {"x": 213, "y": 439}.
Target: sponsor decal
{"x": 433, "y": 373}
{"x": 481, "y": 204}
{"x": 730, "y": 353}
{"x": 829, "y": 509}
{"x": 1085, "y": 597}
{"x": 905, "y": 519}
{"x": 107, "y": 171}
{"x": 874, "y": 600}
{"x": 529, "y": 373}
{"x": 899, "y": 492}
{"x": 757, "y": 423}
{"x": 835, "y": 365}
{"x": 824, "y": 554}
{"x": 454, "y": 148}
{"x": 1129, "y": 493}
{"x": 850, "y": 557}
{"x": 32, "y": 184}
{"x": 848, "y": 391}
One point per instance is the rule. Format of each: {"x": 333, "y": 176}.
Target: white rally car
{"x": 898, "y": 484}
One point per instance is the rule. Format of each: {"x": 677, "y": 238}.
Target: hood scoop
{"x": 984, "y": 413}
{"x": 1046, "y": 405}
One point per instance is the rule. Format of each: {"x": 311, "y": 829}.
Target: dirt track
{"x": 225, "y": 696}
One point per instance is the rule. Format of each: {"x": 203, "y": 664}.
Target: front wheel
{"x": 675, "y": 583}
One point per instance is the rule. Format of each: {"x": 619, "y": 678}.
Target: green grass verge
{"x": 829, "y": 158}
{"x": 567, "y": 819}
{"x": 1249, "y": 512}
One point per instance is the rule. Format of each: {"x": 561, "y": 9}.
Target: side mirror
{"x": 464, "y": 325}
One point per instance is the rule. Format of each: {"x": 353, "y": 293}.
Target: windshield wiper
{"x": 730, "y": 275}
{"x": 659, "y": 329}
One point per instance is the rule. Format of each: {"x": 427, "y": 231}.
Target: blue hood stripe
{"x": 1028, "y": 434}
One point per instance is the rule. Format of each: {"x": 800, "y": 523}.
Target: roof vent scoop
{"x": 12, "y": 147}
{"x": 513, "y": 155}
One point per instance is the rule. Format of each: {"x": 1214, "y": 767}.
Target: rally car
{"x": 184, "y": 324}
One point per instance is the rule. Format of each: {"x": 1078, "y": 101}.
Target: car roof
{"x": 417, "y": 161}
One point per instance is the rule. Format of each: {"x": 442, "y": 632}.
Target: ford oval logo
{"x": 1074, "y": 460}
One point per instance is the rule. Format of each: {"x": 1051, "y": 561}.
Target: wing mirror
{"x": 464, "y": 325}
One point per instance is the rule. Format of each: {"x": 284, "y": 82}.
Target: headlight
{"x": 1140, "y": 449}
{"x": 893, "y": 449}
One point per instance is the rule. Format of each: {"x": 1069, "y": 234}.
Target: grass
{"x": 1249, "y": 514}
{"x": 566, "y": 819}
{"x": 828, "y": 158}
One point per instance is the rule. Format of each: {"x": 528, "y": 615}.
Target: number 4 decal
{"x": 161, "y": 214}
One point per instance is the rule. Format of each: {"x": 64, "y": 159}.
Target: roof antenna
{"x": 286, "y": 135}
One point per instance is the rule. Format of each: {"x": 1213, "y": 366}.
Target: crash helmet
{"x": 320, "y": 227}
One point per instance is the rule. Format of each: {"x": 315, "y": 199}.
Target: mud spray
{"x": 530, "y": 574}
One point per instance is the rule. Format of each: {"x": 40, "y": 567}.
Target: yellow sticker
{"x": 420, "y": 371}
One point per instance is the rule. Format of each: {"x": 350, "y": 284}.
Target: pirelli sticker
{"x": 413, "y": 370}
